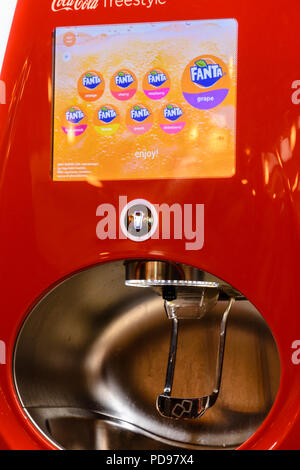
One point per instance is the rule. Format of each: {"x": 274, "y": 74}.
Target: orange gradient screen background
{"x": 126, "y": 107}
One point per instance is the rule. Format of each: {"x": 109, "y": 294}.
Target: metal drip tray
{"x": 78, "y": 429}
{"x": 90, "y": 361}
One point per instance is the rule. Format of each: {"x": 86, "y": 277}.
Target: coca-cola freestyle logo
{"x": 58, "y": 5}
{"x": 77, "y": 5}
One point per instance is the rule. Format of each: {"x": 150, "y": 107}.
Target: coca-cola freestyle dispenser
{"x": 149, "y": 213}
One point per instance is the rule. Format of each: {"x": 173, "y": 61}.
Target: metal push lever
{"x": 190, "y": 408}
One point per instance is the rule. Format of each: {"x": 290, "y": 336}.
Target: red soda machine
{"x": 150, "y": 226}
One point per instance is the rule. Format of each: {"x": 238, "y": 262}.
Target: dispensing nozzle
{"x": 187, "y": 293}
{"x": 187, "y": 408}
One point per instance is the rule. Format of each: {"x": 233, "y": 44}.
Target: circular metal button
{"x": 139, "y": 220}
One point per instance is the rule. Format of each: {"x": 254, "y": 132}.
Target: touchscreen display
{"x": 145, "y": 101}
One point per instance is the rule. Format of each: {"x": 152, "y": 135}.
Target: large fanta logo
{"x": 172, "y": 112}
{"x": 124, "y": 79}
{"x": 139, "y": 114}
{"x": 74, "y": 115}
{"x": 206, "y": 82}
{"x": 205, "y": 74}
{"x": 91, "y": 80}
{"x": 107, "y": 115}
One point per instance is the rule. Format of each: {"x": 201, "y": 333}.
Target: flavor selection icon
{"x": 74, "y": 122}
{"x": 156, "y": 84}
{"x": 139, "y": 119}
{"x": 172, "y": 119}
{"x": 123, "y": 85}
{"x": 91, "y": 86}
{"x": 107, "y": 120}
{"x": 205, "y": 82}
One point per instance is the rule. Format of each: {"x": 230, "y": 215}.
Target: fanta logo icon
{"x": 156, "y": 84}
{"x": 139, "y": 114}
{"x": 91, "y": 81}
{"x": 139, "y": 119}
{"x": 205, "y": 82}
{"x": 205, "y": 75}
{"x": 74, "y": 115}
{"x": 69, "y": 5}
{"x": 91, "y": 85}
{"x": 107, "y": 120}
{"x": 124, "y": 79}
{"x": 172, "y": 113}
{"x": 123, "y": 85}
{"x": 107, "y": 115}
{"x": 156, "y": 79}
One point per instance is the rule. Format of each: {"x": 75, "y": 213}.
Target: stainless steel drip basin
{"x": 90, "y": 361}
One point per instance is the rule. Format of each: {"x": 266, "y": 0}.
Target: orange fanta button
{"x": 91, "y": 86}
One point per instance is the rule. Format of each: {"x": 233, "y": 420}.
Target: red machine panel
{"x": 252, "y": 206}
